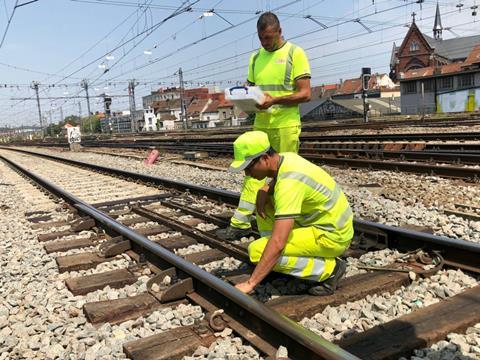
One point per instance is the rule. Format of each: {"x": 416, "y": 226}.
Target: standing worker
{"x": 303, "y": 216}
{"x": 281, "y": 70}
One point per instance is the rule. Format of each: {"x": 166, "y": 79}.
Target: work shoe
{"x": 231, "y": 233}
{"x": 329, "y": 286}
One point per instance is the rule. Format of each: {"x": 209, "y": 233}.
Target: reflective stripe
{"x": 307, "y": 180}
{"x": 246, "y": 205}
{"x": 299, "y": 266}
{"x": 326, "y": 227}
{"x": 342, "y": 220}
{"x": 334, "y": 198}
{"x": 316, "y": 215}
{"x": 282, "y": 261}
{"x": 273, "y": 87}
{"x": 241, "y": 217}
{"x": 288, "y": 68}
{"x": 318, "y": 269}
{"x": 287, "y": 216}
{"x": 310, "y": 217}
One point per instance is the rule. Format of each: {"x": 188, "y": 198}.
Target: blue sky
{"x": 61, "y": 42}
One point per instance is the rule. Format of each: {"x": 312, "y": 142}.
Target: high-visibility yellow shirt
{"x": 275, "y": 72}
{"x": 307, "y": 193}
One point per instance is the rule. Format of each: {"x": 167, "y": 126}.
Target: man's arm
{"x": 262, "y": 197}
{"x": 303, "y": 94}
{"x": 271, "y": 253}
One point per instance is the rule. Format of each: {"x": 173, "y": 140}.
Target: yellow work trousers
{"x": 308, "y": 254}
{"x": 281, "y": 140}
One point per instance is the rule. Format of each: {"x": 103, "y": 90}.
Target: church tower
{"x": 437, "y": 27}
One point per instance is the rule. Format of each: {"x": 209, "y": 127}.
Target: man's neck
{"x": 275, "y": 164}
{"x": 280, "y": 44}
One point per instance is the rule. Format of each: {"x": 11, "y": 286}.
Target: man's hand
{"x": 267, "y": 102}
{"x": 245, "y": 287}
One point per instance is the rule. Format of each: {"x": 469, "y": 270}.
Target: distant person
{"x": 303, "y": 216}
{"x": 282, "y": 71}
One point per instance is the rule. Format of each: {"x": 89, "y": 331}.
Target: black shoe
{"x": 329, "y": 286}
{"x": 230, "y": 233}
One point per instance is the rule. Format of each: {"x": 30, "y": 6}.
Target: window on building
{"x": 414, "y": 46}
{"x": 428, "y": 85}
{"x": 445, "y": 83}
{"x": 410, "y": 87}
{"x": 466, "y": 80}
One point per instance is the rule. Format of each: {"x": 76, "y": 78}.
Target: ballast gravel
{"x": 39, "y": 317}
{"x": 455, "y": 347}
{"x": 402, "y": 199}
{"x": 335, "y": 323}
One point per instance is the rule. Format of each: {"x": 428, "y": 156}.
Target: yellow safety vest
{"x": 275, "y": 72}
{"x": 308, "y": 194}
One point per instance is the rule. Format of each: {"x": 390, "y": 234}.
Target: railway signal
{"x": 366, "y": 75}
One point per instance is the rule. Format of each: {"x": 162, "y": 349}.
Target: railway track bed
{"x": 119, "y": 258}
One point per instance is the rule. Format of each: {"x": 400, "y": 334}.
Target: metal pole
{"x": 365, "y": 105}
{"x": 423, "y": 100}
{"x": 182, "y": 98}
{"x": 34, "y": 86}
{"x": 84, "y": 84}
{"x": 131, "y": 94}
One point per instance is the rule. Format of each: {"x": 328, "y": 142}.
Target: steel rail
{"x": 409, "y": 155}
{"x": 308, "y": 136}
{"x": 311, "y": 153}
{"x": 458, "y": 253}
{"x": 314, "y": 126}
{"x": 276, "y": 328}
{"x": 458, "y": 172}
{"x": 452, "y": 136}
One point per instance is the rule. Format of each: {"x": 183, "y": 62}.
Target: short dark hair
{"x": 266, "y": 20}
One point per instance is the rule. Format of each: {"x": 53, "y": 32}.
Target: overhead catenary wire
{"x": 206, "y": 65}
{"x": 217, "y": 33}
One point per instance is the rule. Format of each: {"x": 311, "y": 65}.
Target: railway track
{"x": 212, "y": 293}
{"x": 437, "y": 163}
{"x": 441, "y": 154}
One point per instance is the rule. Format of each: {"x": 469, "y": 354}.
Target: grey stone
{"x": 282, "y": 352}
{"x": 54, "y": 351}
{"x": 201, "y": 351}
{"x": 169, "y": 315}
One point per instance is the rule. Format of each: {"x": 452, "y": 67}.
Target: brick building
{"x": 418, "y": 50}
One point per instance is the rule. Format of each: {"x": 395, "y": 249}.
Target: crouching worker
{"x": 303, "y": 216}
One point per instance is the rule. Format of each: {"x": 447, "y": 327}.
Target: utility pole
{"x": 131, "y": 96}
{"x": 84, "y": 84}
{"x": 34, "y": 86}
{"x": 182, "y": 98}
{"x": 80, "y": 112}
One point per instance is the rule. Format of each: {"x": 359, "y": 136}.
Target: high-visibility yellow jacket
{"x": 275, "y": 72}
{"x": 307, "y": 193}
